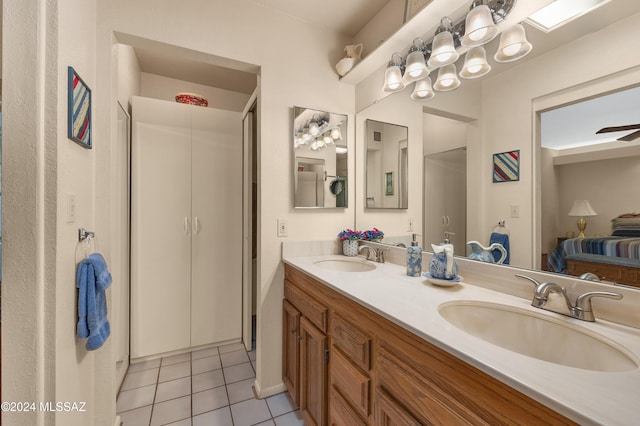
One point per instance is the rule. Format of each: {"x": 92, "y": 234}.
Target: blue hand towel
{"x": 501, "y": 239}
{"x": 92, "y": 280}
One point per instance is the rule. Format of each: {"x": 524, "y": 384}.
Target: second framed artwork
{"x": 388, "y": 183}
{"x": 79, "y": 110}
{"x": 506, "y": 166}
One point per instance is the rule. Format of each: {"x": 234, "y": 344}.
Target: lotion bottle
{"x": 414, "y": 258}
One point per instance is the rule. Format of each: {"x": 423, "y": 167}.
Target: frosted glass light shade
{"x": 336, "y": 133}
{"x": 479, "y": 27}
{"x": 443, "y": 51}
{"x": 423, "y": 90}
{"x": 513, "y": 44}
{"x": 393, "y": 79}
{"x": 447, "y": 79}
{"x": 314, "y": 129}
{"x": 416, "y": 67}
{"x": 475, "y": 63}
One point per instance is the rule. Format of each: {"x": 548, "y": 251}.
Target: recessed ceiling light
{"x": 561, "y": 12}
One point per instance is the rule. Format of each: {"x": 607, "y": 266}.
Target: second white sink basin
{"x": 346, "y": 265}
{"x": 538, "y": 336}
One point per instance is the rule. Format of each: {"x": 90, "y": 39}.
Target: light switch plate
{"x": 282, "y": 228}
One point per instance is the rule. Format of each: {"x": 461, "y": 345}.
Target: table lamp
{"x": 582, "y": 209}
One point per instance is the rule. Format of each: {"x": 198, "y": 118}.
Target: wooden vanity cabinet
{"x": 381, "y": 374}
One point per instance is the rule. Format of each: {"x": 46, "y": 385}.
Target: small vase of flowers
{"x": 374, "y": 235}
{"x": 349, "y": 240}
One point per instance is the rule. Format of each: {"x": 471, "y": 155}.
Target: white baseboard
{"x": 118, "y": 421}
{"x": 267, "y": 392}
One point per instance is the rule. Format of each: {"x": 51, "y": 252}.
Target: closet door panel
{"x": 161, "y": 216}
{"x": 216, "y": 291}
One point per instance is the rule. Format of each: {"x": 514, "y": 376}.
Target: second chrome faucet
{"x": 554, "y": 298}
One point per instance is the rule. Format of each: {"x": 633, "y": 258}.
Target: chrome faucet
{"x": 554, "y": 298}
{"x": 378, "y": 253}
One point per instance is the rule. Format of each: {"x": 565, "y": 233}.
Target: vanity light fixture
{"x": 475, "y": 63}
{"x": 447, "y": 79}
{"x": 317, "y": 133}
{"x": 443, "y": 50}
{"x": 479, "y": 25}
{"x": 423, "y": 90}
{"x": 513, "y": 44}
{"x": 393, "y": 81}
{"x": 416, "y": 66}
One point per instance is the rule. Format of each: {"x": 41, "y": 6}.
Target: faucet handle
{"x": 535, "y": 282}
{"x": 584, "y": 309}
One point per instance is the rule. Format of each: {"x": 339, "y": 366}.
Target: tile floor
{"x": 212, "y": 387}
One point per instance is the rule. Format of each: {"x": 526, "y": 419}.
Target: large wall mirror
{"x": 504, "y": 111}
{"x": 386, "y": 166}
{"x": 320, "y": 170}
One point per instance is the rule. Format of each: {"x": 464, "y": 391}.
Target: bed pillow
{"x": 626, "y": 225}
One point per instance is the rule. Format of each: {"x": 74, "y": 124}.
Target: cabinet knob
{"x": 299, "y": 338}
{"x": 293, "y": 330}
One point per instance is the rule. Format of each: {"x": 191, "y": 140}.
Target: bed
{"x": 615, "y": 257}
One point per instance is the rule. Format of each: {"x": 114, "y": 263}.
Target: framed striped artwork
{"x": 506, "y": 166}
{"x": 79, "y": 110}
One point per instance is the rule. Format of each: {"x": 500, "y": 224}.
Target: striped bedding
{"x": 615, "y": 247}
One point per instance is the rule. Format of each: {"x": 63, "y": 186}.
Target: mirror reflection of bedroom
{"x": 590, "y": 154}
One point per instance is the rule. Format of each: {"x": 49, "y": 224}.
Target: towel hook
{"x": 83, "y": 234}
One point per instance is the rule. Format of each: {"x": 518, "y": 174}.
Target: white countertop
{"x": 587, "y": 397}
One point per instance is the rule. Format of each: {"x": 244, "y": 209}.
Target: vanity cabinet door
{"x": 291, "y": 349}
{"x": 390, "y": 413}
{"x": 313, "y": 373}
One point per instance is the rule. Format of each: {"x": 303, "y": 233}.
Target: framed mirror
{"x": 320, "y": 171}
{"x": 386, "y": 166}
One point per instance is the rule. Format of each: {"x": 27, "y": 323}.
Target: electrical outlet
{"x": 282, "y": 228}
{"x": 410, "y": 225}
{"x": 71, "y": 208}
{"x": 515, "y": 211}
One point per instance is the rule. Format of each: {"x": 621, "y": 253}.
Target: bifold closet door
{"x": 216, "y": 266}
{"x": 161, "y": 227}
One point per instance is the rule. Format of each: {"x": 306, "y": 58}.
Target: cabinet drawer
{"x": 350, "y": 382}
{"x": 388, "y": 412}
{"x": 308, "y": 306}
{"x": 341, "y": 412}
{"x": 352, "y": 341}
{"x": 428, "y": 403}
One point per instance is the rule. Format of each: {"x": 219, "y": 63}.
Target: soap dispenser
{"x": 414, "y": 258}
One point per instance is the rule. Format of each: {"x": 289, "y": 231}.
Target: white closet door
{"x": 216, "y": 290}
{"x": 161, "y": 227}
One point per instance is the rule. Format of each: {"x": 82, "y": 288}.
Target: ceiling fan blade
{"x": 630, "y": 136}
{"x": 618, "y": 128}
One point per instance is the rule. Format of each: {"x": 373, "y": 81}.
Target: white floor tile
{"x": 219, "y": 417}
{"x": 137, "y": 417}
{"x": 267, "y": 423}
{"x": 173, "y": 389}
{"x": 144, "y": 365}
{"x": 231, "y": 348}
{"x": 174, "y": 371}
{"x": 185, "y": 422}
{"x": 233, "y": 358}
{"x": 209, "y": 400}
{"x": 280, "y": 404}
{"x": 290, "y": 419}
{"x": 252, "y": 355}
{"x": 240, "y": 391}
{"x": 203, "y": 353}
{"x": 175, "y": 359}
{"x": 238, "y": 372}
{"x": 250, "y": 412}
{"x": 135, "y": 398}
{"x": 140, "y": 379}
{"x": 202, "y": 365}
{"x": 208, "y": 380}
{"x": 171, "y": 411}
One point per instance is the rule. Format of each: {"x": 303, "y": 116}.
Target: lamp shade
{"x": 582, "y": 208}
{"x": 479, "y": 27}
{"x": 447, "y": 79}
{"x": 475, "y": 63}
{"x": 423, "y": 90}
{"x": 416, "y": 66}
{"x": 393, "y": 79}
{"x": 513, "y": 44}
{"x": 443, "y": 51}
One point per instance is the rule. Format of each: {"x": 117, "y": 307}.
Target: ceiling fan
{"x": 628, "y": 138}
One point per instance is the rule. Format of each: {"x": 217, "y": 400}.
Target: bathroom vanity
{"x": 370, "y": 346}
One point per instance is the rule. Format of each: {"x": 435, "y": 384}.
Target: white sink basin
{"x": 538, "y": 336}
{"x": 346, "y": 265}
